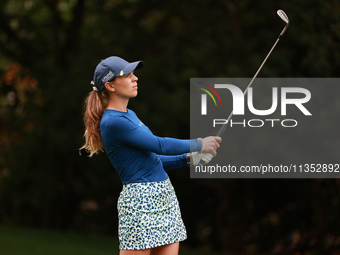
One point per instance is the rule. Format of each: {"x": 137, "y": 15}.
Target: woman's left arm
{"x": 172, "y": 162}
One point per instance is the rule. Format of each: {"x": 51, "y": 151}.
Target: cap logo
{"x": 121, "y": 73}
{"x": 107, "y": 77}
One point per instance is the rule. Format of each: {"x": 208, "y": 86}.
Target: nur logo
{"x": 204, "y": 97}
{"x": 238, "y": 99}
{"x": 280, "y": 99}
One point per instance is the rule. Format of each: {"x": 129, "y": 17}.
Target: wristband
{"x": 188, "y": 159}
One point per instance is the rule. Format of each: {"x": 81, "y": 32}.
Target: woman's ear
{"x": 109, "y": 86}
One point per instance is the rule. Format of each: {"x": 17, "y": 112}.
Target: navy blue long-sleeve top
{"x": 136, "y": 153}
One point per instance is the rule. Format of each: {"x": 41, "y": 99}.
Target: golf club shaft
{"x": 224, "y": 126}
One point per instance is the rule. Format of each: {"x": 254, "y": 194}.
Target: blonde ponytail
{"x": 95, "y": 105}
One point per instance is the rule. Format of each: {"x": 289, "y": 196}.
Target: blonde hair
{"x": 94, "y": 107}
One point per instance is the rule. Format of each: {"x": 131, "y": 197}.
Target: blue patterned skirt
{"x": 149, "y": 216}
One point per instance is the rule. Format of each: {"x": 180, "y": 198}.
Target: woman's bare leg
{"x": 134, "y": 252}
{"x": 169, "y": 249}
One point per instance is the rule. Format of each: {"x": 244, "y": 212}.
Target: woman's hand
{"x": 210, "y": 144}
{"x": 196, "y": 157}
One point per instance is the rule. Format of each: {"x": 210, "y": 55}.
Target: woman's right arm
{"x": 142, "y": 138}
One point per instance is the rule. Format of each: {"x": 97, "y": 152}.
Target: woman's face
{"x": 126, "y": 86}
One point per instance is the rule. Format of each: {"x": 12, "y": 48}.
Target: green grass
{"x": 28, "y": 241}
{"x": 25, "y": 241}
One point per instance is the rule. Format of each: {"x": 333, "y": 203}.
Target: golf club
{"x": 284, "y": 17}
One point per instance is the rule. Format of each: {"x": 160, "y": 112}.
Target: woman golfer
{"x": 149, "y": 216}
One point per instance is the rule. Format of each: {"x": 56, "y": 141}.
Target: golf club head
{"x": 284, "y": 17}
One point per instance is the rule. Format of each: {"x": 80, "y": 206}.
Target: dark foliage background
{"x": 49, "y": 49}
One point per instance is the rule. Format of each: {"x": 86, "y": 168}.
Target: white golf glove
{"x": 198, "y": 156}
